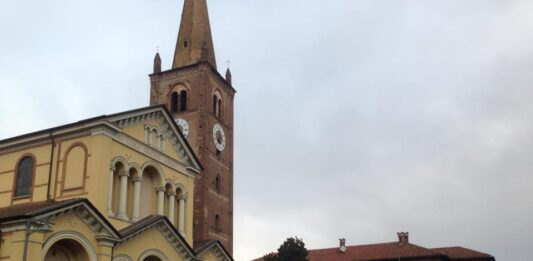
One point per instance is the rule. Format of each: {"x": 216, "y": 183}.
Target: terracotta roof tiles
{"x": 383, "y": 251}
{"x": 461, "y": 253}
{"x": 395, "y": 251}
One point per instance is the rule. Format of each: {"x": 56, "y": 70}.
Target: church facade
{"x": 155, "y": 183}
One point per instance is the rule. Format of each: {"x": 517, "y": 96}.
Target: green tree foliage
{"x": 293, "y": 249}
{"x": 270, "y": 257}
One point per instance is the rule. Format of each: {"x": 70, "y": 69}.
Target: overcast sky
{"x": 354, "y": 119}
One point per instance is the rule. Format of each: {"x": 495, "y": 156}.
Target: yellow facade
{"x": 131, "y": 167}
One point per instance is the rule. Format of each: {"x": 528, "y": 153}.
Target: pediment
{"x": 159, "y": 119}
{"x": 216, "y": 249}
{"x": 164, "y": 228}
{"x": 44, "y": 214}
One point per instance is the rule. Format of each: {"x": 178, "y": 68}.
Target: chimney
{"x": 403, "y": 237}
{"x": 342, "y": 245}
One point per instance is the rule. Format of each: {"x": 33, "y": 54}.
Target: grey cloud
{"x": 354, "y": 119}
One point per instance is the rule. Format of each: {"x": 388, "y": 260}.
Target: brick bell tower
{"x": 201, "y": 101}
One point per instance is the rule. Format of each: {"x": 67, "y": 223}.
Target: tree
{"x": 293, "y": 249}
{"x": 270, "y": 257}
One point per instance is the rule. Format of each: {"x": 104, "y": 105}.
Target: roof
{"x": 195, "y": 33}
{"x": 101, "y": 117}
{"x": 95, "y": 120}
{"x": 461, "y": 253}
{"x": 27, "y": 211}
{"x": 33, "y": 209}
{"x": 203, "y": 246}
{"x": 395, "y": 251}
{"x": 383, "y": 251}
{"x": 149, "y": 220}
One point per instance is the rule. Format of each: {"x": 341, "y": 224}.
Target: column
{"x": 123, "y": 195}
{"x": 160, "y": 200}
{"x": 136, "y": 198}
{"x": 181, "y": 213}
{"x": 171, "y": 204}
{"x": 110, "y": 192}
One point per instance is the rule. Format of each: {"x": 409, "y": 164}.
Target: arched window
{"x": 183, "y": 101}
{"x": 218, "y": 185}
{"x": 219, "y": 108}
{"x": 215, "y": 104}
{"x": 24, "y": 177}
{"x": 217, "y": 223}
{"x": 174, "y": 102}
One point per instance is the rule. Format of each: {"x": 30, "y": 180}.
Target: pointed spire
{"x": 195, "y": 42}
{"x": 157, "y": 63}
{"x": 228, "y": 76}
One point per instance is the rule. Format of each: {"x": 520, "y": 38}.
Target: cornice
{"x": 178, "y": 73}
{"x": 168, "y": 233}
{"x": 174, "y": 240}
{"x": 168, "y": 130}
{"x": 45, "y": 137}
{"x": 219, "y": 252}
{"x": 94, "y": 221}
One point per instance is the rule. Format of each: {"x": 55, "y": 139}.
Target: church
{"x": 149, "y": 184}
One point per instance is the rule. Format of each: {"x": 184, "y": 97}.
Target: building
{"x": 155, "y": 183}
{"x": 201, "y": 101}
{"x": 398, "y": 250}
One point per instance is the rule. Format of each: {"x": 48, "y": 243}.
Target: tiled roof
{"x": 32, "y": 209}
{"x": 139, "y": 225}
{"x": 461, "y": 253}
{"x": 383, "y": 251}
{"x": 200, "y": 246}
{"x": 148, "y": 221}
{"x": 395, "y": 251}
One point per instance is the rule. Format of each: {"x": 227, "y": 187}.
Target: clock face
{"x": 219, "y": 138}
{"x": 184, "y": 126}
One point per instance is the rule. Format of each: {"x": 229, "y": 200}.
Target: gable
{"x": 154, "y": 232}
{"x": 154, "y": 132}
{"x": 50, "y": 215}
{"x": 213, "y": 251}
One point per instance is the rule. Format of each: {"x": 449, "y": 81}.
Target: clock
{"x": 219, "y": 138}
{"x": 184, "y": 126}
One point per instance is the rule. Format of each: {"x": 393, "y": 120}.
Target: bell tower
{"x": 201, "y": 101}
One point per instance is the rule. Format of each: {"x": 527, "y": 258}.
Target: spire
{"x": 228, "y": 76}
{"x": 157, "y": 63}
{"x": 195, "y": 43}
